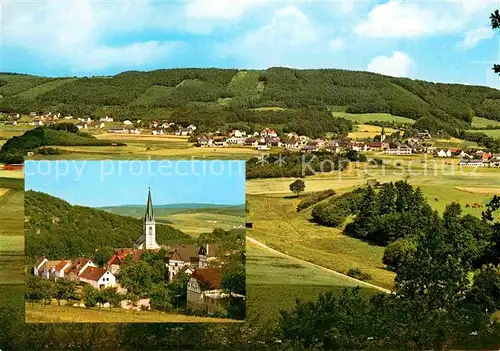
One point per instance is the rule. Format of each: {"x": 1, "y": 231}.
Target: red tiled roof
{"x": 61, "y": 265}
{"x": 93, "y": 273}
{"x": 208, "y": 278}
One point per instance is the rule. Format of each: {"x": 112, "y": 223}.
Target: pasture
{"x": 480, "y": 122}
{"x": 371, "y": 117}
{"x": 494, "y": 133}
{"x": 68, "y": 314}
{"x": 274, "y": 282}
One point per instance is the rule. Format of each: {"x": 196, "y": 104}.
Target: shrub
{"x": 358, "y": 274}
{"x": 314, "y": 198}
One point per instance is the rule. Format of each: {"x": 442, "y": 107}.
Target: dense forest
{"x": 57, "y": 229}
{"x": 201, "y": 95}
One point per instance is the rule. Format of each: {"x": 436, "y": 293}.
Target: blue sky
{"x": 113, "y": 183}
{"x": 447, "y": 40}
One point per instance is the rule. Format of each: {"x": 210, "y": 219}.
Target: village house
{"x": 273, "y": 141}
{"x": 443, "y": 153}
{"x": 99, "y": 278}
{"x": 292, "y": 144}
{"x": 262, "y": 146}
{"x": 167, "y": 125}
{"x": 378, "y": 146}
{"x": 473, "y": 162}
{"x": 205, "y": 293}
{"x": 184, "y": 259}
{"x": 127, "y": 123}
{"x": 183, "y": 131}
{"x": 36, "y": 122}
{"x": 309, "y": 148}
{"x": 235, "y": 140}
{"x": 191, "y": 127}
{"x": 357, "y": 146}
{"x": 11, "y": 123}
{"x": 204, "y": 141}
{"x": 50, "y": 269}
{"x": 424, "y": 135}
{"x": 251, "y": 142}
{"x": 118, "y": 130}
{"x": 154, "y": 124}
{"x": 106, "y": 119}
{"x": 33, "y": 114}
{"x": 157, "y": 131}
{"x": 68, "y": 117}
{"x": 266, "y": 132}
{"x": 400, "y": 150}
{"x": 333, "y": 146}
{"x": 82, "y": 126}
{"x": 238, "y": 134}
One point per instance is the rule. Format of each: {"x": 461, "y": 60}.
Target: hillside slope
{"x": 157, "y": 93}
{"x": 56, "y": 229}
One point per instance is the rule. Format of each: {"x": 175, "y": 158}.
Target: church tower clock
{"x": 148, "y": 239}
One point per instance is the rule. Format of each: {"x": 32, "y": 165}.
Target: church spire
{"x": 149, "y": 216}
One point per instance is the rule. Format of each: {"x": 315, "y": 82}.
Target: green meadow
{"x": 362, "y": 118}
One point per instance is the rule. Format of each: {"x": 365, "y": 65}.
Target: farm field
{"x": 364, "y": 131}
{"x": 155, "y": 152}
{"x": 202, "y": 222}
{"x": 369, "y": 117}
{"x": 480, "y": 122}
{"x": 69, "y": 314}
{"x": 274, "y": 282}
{"x": 11, "y": 174}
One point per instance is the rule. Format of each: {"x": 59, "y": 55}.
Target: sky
{"x": 446, "y": 41}
{"x": 115, "y": 183}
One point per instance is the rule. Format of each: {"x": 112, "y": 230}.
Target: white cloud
{"x": 403, "y": 19}
{"x": 71, "y": 33}
{"x": 398, "y": 65}
{"x": 220, "y": 9}
{"x": 337, "y": 43}
{"x": 475, "y": 36}
{"x": 288, "y": 33}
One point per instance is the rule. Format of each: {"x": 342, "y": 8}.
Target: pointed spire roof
{"x": 149, "y": 216}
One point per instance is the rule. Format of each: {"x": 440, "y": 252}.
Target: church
{"x": 147, "y": 241}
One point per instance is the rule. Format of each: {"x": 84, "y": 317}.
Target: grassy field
{"x": 69, "y": 314}
{"x": 275, "y": 282}
{"x": 369, "y": 117}
{"x": 11, "y": 213}
{"x": 494, "y": 133}
{"x": 195, "y": 223}
{"x": 480, "y": 122}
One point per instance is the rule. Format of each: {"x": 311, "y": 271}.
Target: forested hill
{"x": 199, "y": 95}
{"x": 56, "y": 229}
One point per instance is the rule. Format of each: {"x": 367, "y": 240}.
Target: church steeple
{"x": 149, "y": 215}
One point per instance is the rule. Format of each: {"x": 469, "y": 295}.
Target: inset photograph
{"x": 135, "y": 241}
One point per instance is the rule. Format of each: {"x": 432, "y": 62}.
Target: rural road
{"x": 298, "y": 260}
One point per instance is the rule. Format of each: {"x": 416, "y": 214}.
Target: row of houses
{"x": 204, "y": 289}
{"x": 487, "y": 160}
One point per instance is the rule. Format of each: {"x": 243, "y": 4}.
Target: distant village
{"x": 265, "y": 139}
{"x": 202, "y": 263}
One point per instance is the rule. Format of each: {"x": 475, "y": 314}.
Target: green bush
{"x": 358, "y": 274}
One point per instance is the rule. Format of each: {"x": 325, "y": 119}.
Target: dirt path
{"x": 298, "y": 260}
